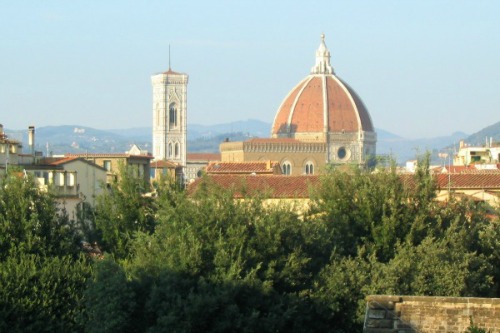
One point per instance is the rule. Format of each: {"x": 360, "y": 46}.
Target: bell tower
{"x": 170, "y": 116}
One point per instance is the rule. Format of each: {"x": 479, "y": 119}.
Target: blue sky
{"x": 423, "y": 68}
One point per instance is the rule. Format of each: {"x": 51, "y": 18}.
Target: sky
{"x": 423, "y": 68}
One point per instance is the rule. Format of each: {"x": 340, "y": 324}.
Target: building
{"x": 274, "y": 189}
{"x": 322, "y": 121}
{"x": 196, "y": 164}
{"x": 170, "y": 117}
{"x": 488, "y": 154}
{"x": 112, "y": 162}
{"x": 74, "y": 180}
{"x": 163, "y": 169}
{"x": 10, "y": 150}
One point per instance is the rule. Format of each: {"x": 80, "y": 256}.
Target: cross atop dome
{"x": 322, "y": 65}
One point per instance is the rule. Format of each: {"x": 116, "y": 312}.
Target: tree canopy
{"x": 208, "y": 262}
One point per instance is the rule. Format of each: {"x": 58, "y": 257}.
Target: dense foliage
{"x": 42, "y": 275}
{"x": 206, "y": 262}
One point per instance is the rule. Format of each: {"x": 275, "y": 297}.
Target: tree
{"x": 123, "y": 210}
{"x": 30, "y": 221}
{"x": 213, "y": 263}
{"x": 218, "y": 264}
{"x": 42, "y": 274}
{"x": 109, "y": 300}
{"x": 41, "y": 294}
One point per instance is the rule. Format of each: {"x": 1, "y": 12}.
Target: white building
{"x": 467, "y": 155}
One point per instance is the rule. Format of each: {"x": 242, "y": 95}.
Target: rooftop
{"x": 275, "y": 186}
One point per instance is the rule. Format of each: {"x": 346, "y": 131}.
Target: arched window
{"x": 169, "y": 149}
{"x": 286, "y": 168}
{"x": 177, "y": 150}
{"x": 309, "y": 169}
{"x": 172, "y": 115}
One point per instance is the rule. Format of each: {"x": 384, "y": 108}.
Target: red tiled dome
{"x": 321, "y": 103}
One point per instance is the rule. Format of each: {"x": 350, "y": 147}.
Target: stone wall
{"x": 405, "y": 314}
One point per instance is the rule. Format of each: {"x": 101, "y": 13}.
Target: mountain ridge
{"x": 206, "y": 138}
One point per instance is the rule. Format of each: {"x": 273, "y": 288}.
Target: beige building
{"x": 322, "y": 121}
{"x": 74, "y": 180}
{"x": 162, "y": 169}
{"x": 112, "y": 162}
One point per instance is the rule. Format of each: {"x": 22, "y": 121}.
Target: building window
{"x": 309, "y": 169}
{"x": 172, "y": 116}
{"x": 170, "y": 150}
{"x": 60, "y": 178}
{"x": 107, "y": 165}
{"x": 286, "y": 168}
{"x": 341, "y": 153}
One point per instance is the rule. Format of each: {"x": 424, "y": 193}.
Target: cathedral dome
{"x": 320, "y": 104}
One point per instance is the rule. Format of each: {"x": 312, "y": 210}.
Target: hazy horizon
{"x": 423, "y": 69}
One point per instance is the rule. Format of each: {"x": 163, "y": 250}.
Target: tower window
{"x": 172, "y": 116}
{"x": 177, "y": 150}
{"x": 169, "y": 149}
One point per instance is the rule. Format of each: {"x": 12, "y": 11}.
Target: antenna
{"x": 169, "y": 57}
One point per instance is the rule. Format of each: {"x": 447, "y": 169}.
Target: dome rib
{"x": 344, "y": 117}
{"x": 281, "y": 119}
{"x": 364, "y": 115}
{"x": 303, "y": 115}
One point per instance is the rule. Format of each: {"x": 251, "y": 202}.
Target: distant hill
{"x": 78, "y": 139}
{"x": 479, "y": 138}
{"x": 402, "y": 149}
{"x": 207, "y": 138}
{"x": 251, "y": 127}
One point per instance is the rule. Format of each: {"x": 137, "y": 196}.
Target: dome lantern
{"x": 322, "y": 65}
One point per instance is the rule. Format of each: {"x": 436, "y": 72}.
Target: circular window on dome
{"x": 342, "y": 153}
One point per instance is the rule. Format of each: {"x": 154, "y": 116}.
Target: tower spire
{"x": 322, "y": 65}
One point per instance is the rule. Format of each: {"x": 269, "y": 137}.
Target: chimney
{"x": 31, "y": 141}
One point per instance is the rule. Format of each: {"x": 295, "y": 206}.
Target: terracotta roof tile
{"x": 460, "y": 180}
{"x": 469, "y": 180}
{"x": 281, "y": 118}
{"x": 307, "y": 115}
{"x": 57, "y": 160}
{"x": 364, "y": 115}
{"x": 276, "y": 186}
